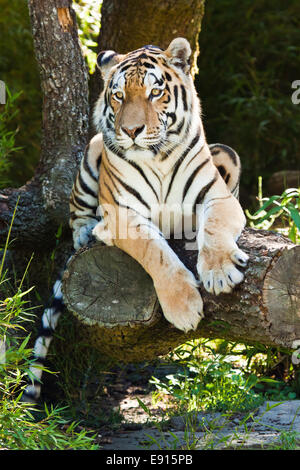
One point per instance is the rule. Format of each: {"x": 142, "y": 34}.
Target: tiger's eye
{"x": 156, "y": 91}
{"x": 118, "y": 95}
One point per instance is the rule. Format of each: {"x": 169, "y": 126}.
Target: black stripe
{"x": 185, "y": 107}
{"x": 38, "y": 359}
{"x": 131, "y": 191}
{"x": 148, "y": 66}
{"x": 177, "y": 165}
{"x": 123, "y": 205}
{"x": 203, "y": 192}
{"x": 179, "y": 128}
{"x": 58, "y": 305}
{"x": 105, "y": 102}
{"x": 98, "y": 162}
{"x": 173, "y": 117}
{"x": 193, "y": 158}
{"x": 45, "y": 332}
{"x": 109, "y": 174}
{"x": 83, "y": 203}
{"x": 227, "y": 150}
{"x": 221, "y": 169}
{"x": 125, "y": 67}
{"x": 190, "y": 180}
{"x": 72, "y": 201}
{"x": 87, "y": 167}
{"x": 180, "y": 160}
{"x": 102, "y": 61}
{"x": 155, "y": 174}
{"x": 176, "y": 96}
{"x": 145, "y": 177}
{"x": 86, "y": 188}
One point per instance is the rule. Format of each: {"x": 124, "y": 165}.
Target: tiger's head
{"x": 149, "y": 102}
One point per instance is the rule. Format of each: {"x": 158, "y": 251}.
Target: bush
{"x": 18, "y": 69}
{"x": 249, "y": 57}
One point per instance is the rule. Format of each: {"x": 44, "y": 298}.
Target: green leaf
{"x": 143, "y": 406}
{"x": 294, "y": 215}
{"x": 272, "y": 211}
{"x": 266, "y": 204}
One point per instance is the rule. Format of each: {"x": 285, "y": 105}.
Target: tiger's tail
{"x": 45, "y": 334}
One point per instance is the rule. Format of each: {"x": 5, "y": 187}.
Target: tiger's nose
{"x": 133, "y": 132}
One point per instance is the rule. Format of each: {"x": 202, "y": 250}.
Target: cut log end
{"x": 108, "y": 288}
{"x": 281, "y": 296}
{"x": 111, "y": 294}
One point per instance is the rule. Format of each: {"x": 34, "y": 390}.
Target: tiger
{"x": 148, "y": 163}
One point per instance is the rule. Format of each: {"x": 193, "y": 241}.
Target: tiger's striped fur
{"x": 155, "y": 166}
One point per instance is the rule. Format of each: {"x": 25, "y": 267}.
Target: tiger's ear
{"x": 106, "y": 60}
{"x": 179, "y": 52}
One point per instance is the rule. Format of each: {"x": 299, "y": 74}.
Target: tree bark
{"x": 114, "y": 298}
{"x": 43, "y": 201}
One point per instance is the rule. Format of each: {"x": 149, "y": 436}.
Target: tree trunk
{"x": 114, "y": 297}
{"x": 43, "y": 201}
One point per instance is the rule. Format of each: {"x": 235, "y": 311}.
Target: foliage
{"x": 280, "y": 212}
{"x": 249, "y": 57}
{"x": 7, "y": 137}
{"x": 18, "y": 69}
{"x": 88, "y": 18}
{"x": 217, "y": 375}
{"x": 20, "y": 425}
{"x": 209, "y": 383}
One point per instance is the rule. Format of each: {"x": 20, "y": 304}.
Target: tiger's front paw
{"x": 180, "y": 300}
{"x": 82, "y": 233}
{"x": 218, "y": 270}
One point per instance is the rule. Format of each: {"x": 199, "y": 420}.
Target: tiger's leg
{"x": 220, "y": 221}
{"x": 84, "y": 196}
{"x": 83, "y": 218}
{"x": 228, "y": 165}
{"x": 175, "y": 285}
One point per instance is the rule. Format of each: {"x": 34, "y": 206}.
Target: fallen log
{"x": 116, "y": 304}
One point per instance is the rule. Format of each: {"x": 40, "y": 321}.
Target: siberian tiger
{"x": 155, "y": 166}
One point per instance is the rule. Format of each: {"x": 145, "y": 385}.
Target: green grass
{"x": 24, "y": 426}
{"x": 207, "y": 380}
{"x": 216, "y": 376}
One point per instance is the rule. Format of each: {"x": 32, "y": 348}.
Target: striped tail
{"x": 45, "y": 334}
